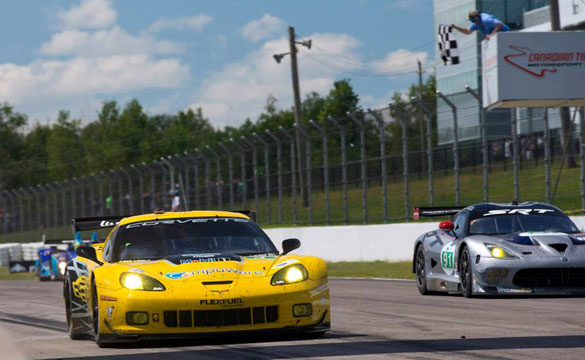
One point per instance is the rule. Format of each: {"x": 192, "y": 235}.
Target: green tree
{"x": 65, "y": 149}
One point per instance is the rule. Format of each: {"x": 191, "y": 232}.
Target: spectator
{"x": 176, "y": 201}
{"x": 487, "y": 24}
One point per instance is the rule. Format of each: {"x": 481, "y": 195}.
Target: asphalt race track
{"x": 372, "y": 319}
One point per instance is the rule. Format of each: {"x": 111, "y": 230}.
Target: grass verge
{"x": 377, "y": 269}
{"x": 6, "y": 275}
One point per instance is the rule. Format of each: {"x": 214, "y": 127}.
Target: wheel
{"x": 95, "y": 315}
{"x": 466, "y": 274}
{"x": 76, "y": 328}
{"x": 421, "y": 272}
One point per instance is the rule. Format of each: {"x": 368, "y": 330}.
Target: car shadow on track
{"x": 361, "y": 347}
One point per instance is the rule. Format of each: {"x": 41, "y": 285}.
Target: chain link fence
{"x": 367, "y": 167}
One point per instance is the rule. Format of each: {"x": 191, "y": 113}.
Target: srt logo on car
{"x": 517, "y": 211}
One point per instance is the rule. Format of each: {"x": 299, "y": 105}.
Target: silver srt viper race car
{"x": 491, "y": 249}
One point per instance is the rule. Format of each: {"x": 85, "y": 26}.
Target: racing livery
{"x": 496, "y": 249}
{"x": 53, "y": 259}
{"x": 189, "y": 274}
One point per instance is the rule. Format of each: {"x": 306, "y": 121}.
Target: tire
{"x": 466, "y": 274}
{"x": 315, "y": 335}
{"x": 76, "y": 328}
{"x": 100, "y": 339}
{"x": 421, "y": 271}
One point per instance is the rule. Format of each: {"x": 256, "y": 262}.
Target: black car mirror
{"x": 289, "y": 245}
{"x": 89, "y": 253}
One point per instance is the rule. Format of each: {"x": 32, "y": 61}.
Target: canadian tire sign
{"x": 534, "y": 69}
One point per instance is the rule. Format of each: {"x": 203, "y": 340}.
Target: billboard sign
{"x": 534, "y": 69}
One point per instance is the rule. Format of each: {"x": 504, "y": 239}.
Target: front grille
{"x": 550, "y": 277}
{"x": 228, "y": 317}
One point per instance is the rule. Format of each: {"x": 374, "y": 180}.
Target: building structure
{"x": 520, "y": 15}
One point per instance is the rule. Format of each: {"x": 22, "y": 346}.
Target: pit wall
{"x": 387, "y": 242}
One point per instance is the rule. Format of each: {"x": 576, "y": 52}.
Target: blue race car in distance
{"x": 52, "y": 262}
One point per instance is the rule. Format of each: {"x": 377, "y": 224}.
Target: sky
{"x": 217, "y": 55}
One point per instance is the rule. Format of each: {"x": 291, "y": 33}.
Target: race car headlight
{"x": 62, "y": 267}
{"x": 290, "y": 275}
{"x": 135, "y": 281}
{"x": 498, "y": 252}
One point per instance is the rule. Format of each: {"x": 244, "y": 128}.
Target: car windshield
{"x": 187, "y": 237}
{"x": 508, "y": 224}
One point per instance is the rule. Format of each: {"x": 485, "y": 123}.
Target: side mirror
{"x": 446, "y": 225}
{"x": 289, "y": 245}
{"x": 89, "y": 253}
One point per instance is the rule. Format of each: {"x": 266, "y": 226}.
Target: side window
{"x": 108, "y": 247}
{"x": 460, "y": 223}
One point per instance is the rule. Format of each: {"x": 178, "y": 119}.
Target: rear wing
{"x": 248, "y": 213}
{"x": 95, "y": 223}
{"x": 436, "y": 211}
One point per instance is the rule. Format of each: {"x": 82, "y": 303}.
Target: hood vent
{"x": 226, "y": 282}
{"x": 559, "y": 247}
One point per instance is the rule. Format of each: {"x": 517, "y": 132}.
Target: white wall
{"x": 389, "y": 242}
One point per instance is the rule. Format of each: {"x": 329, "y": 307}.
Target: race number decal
{"x": 448, "y": 258}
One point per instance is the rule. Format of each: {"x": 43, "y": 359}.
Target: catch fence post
{"x": 484, "y": 143}
{"x": 21, "y": 209}
{"x": 207, "y": 179}
{"x": 184, "y": 159}
{"x": 38, "y": 200}
{"x": 53, "y": 189}
{"x": 343, "y": 168}
{"x": 547, "y": 157}
{"x": 404, "y": 160}
{"x": 363, "y": 169}
{"x": 428, "y": 114}
{"x": 266, "y": 176}
{"x": 254, "y": 170}
{"x": 120, "y": 191}
{"x": 90, "y": 182}
{"x": 130, "y": 191}
{"x": 242, "y": 172}
{"x": 195, "y": 179}
{"x": 382, "y": 135}
{"x": 307, "y": 137}
{"x": 217, "y": 176}
{"x": 515, "y": 153}
{"x": 292, "y": 172}
{"x": 325, "y": 169}
{"x": 12, "y": 210}
{"x": 279, "y": 170}
{"x": 230, "y": 173}
{"x": 140, "y": 187}
{"x": 455, "y": 147}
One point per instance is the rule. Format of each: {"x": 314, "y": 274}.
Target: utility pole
{"x": 420, "y": 117}
{"x": 566, "y": 132}
{"x": 298, "y": 113}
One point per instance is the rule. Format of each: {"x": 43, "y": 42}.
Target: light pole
{"x": 297, "y": 101}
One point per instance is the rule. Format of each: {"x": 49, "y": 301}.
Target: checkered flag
{"x": 448, "y": 45}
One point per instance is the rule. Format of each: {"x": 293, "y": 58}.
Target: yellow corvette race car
{"x": 189, "y": 274}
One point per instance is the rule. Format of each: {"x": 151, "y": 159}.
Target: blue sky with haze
{"x": 171, "y": 55}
